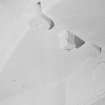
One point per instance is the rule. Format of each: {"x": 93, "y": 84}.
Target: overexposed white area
{"x": 35, "y": 69}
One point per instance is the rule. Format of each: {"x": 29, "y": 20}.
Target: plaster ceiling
{"x": 37, "y": 59}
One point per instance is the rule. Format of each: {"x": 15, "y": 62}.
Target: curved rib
{"x": 45, "y": 17}
{"x": 49, "y": 21}
{"x": 98, "y": 48}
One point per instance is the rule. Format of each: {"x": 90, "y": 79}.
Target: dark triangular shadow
{"x": 51, "y": 24}
{"x": 78, "y": 42}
